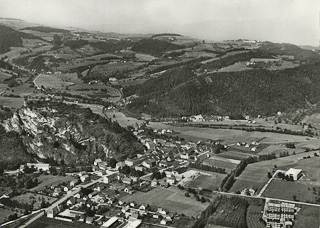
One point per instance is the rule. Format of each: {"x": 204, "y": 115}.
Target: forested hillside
{"x": 154, "y": 47}
{"x": 180, "y": 92}
{"x": 12, "y": 38}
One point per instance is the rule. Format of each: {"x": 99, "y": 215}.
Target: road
{"x": 58, "y": 202}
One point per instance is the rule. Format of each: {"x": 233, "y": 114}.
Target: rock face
{"x": 55, "y": 137}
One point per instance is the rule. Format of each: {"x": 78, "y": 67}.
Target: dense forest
{"x": 179, "y": 92}
{"x": 155, "y": 47}
{"x": 12, "y": 38}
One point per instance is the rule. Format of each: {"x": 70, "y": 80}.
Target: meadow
{"x": 171, "y": 199}
{"x": 208, "y": 182}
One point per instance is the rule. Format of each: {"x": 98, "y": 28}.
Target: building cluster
{"x": 278, "y": 214}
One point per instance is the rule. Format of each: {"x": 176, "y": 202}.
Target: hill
{"x": 46, "y": 29}
{"x": 155, "y": 47}
{"x": 12, "y": 38}
{"x": 62, "y": 133}
{"x": 180, "y": 91}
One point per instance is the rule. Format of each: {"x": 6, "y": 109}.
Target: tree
{"x": 113, "y": 162}
{"x": 269, "y": 175}
{"x": 1, "y": 171}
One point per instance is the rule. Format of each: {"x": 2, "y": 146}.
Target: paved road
{"x": 59, "y": 201}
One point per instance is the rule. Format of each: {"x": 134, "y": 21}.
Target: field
{"x": 233, "y": 155}
{"x": 211, "y": 182}
{"x": 310, "y": 168}
{"x": 253, "y": 216}
{"x": 287, "y": 190}
{"x": 36, "y": 198}
{"x": 11, "y": 102}
{"x": 45, "y": 222}
{"x": 48, "y": 180}
{"x": 169, "y": 198}
{"x": 241, "y": 66}
{"x": 255, "y": 175}
{"x": 52, "y": 81}
{"x": 314, "y": 119}
{"x": 4, "y": 214}
{"x": 307, "y": 217}
{"x": 226, "y": 163}
{"x": 122, "y": 119}
{"x": 230, "y": 211}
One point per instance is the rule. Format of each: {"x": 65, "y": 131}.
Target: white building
{"x": 295, "y": 173}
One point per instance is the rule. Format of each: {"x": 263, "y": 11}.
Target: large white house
{"x": 295, "y": 173}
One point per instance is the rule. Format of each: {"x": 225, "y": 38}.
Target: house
{"x": 51, "y": 213}
{"x": 120, "y": 165}
{"x": 184, "y": 156}
{"x": 154, "y": 183}
{"x": 126, "y": 180}
{"x": 56, "y": 192}
{"x": 89, "y": 220}
{"x": 110, "y": 222}
{"x": 197, "y": 118}
{"x": 71, "y": 201}
{"x": 97, "y": 161}
{"x": 85, "y": 177}
{"x": 39, "y": 166}
{"x": 149, "y": 163}
{"x": 129, "y": 162}
{"x": 163, "y": 222}
{"x": 294, "y": 173}
{"x": 171, "y": 180}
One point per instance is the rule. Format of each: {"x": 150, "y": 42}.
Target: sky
{"x": 291, "y": 21}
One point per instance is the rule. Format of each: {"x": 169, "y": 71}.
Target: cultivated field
{"x": 52, "y": 81}
{"x": 233, "y": 155}
{"x": 36, "y": 198}
{"x": 253, "y": 216}
{"x": 219, "y": 162}
{"x": 4, "y": 214}
{"x": 45, "y": 222}
{"x": 11, "y": 102}
{"x": 255, "y": 175}
{"x": 169, "y": 198}
{"x": 307, "y": 217}
{"x": 48, "y": 180}
{"x": 241, "y": 66}
{"x": 286, "y": 190}
{"x": 208, "y": 182}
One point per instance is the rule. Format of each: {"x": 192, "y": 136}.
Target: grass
{"x": 48, "y": 180}
{"x": 11, "y": 102}
{"x": 255, "y": 175}
{"x": 233, "y": 155}
{"x": 45, "y": 222}
{"x": 4, "y": 214}
{"x": 286, "y": 190}
{"x": 171, "y": 199}
{"x": 308, "y": 216}
{"x": 253, "y": 216}
{"x": 52, "y": 81}
{"x": 36, "y": 198}
{"x": 207, "y": 182}
{"x": 226, "y": 163}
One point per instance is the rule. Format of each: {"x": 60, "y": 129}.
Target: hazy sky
{"x": 294, "y": 21}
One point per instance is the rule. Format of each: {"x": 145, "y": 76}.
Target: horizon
{"x": 288, "y": 21}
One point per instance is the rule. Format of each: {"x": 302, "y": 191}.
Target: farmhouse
{"x": 263, "y": 60}
{"x": 294, "y": 173}
{"x": 37, "y": 166}
{"x": 197, "y": 118}
{"x": 109, "y": 222}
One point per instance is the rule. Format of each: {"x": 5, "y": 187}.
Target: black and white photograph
{"x": 159, "y": 114}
